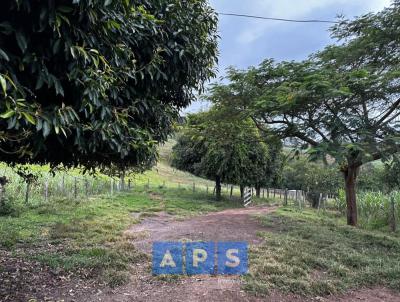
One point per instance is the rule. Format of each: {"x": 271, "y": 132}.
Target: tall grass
{"x": 374, "y": 208}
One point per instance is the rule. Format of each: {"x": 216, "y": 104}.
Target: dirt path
{"x": 229, "y": 225}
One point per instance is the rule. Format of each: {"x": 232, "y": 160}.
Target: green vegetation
{"x": 341, "y": 104}
{"x": 308, "y": 254}
{"x": 88, "y": 235}
{"x": 97, "y": 84}
{"x": 90, "y": 89}
{"x": 221, "y": 146}
{"x": 377, "y": 210}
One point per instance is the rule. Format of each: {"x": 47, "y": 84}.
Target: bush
{"x": 9, "y": 208}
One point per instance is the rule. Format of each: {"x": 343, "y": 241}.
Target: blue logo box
{"x": 201, "y": 258}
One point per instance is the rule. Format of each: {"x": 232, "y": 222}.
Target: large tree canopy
{"x": 98, "y": 83}
{"x": 220, "y": 146}
{"x": 342, "y": 103}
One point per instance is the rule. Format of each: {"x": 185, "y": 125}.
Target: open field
{"x": 294, "y": 254}
{"x": 96, "y": 247}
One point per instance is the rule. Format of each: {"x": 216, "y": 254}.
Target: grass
{"x": 309, "y": 254}
{"x": 88, "y": 236}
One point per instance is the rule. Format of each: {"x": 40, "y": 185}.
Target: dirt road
{"x": 229, "y": 225}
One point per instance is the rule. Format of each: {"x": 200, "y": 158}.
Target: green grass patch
{"x": 310, "y": 254}
{"x": 88, "y": 235}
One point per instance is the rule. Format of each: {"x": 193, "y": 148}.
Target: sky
{"x": 247, "y": 42}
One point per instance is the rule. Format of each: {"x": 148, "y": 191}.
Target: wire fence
{"x": 374, "y": 208}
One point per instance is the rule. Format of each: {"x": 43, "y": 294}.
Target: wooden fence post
{"x": 262, "y": 193}
{"x": 63, "y": 184}
{"x": 319, "y": 201}
{"x": 393, "y": 224}
{"x": 231, "y": 191}
{"x": 207, "y": 189}
{"x": 28, "y": 186}
{"x": 112, "y": 187}
{"x": 87, "y": 188}
{"x": 75, "y": 189}
{"x": 46, "y": 190}
{"x": 129, "y": 184}
{"x": 286, "y": 197}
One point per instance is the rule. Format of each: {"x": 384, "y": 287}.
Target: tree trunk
{"x": 218, "y": 187}
{"x": 241, "y": 191}
{"x": 258, "y": 191}
{"x": 313, "y": 199}
{"x": 28, "y": 188}
{"x": 350, "y": 176}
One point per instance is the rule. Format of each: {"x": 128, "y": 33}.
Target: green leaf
{"x": 7, "y": 114}
{"x": 107, "y": 2}
{"x": 3, "y": 84}
{"x": 39, "y": 83}
{"x": 58, "y": 86}
{"x": 29, "y": 118}
{"x": 46, "y": 129}
{"x": 65, "y": 9}
{"x": 4, "y": 55}
{"x": 56, "y": 46}
{"x": 21, "y": 40}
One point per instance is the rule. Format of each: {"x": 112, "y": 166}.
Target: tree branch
{"x": 388, "y": 113}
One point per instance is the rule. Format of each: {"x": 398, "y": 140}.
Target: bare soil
{"x": 229, "y": 225}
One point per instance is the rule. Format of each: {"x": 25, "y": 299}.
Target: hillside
{"x": 164, "y": 173}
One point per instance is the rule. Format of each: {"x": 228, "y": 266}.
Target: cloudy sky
{"x": 245, "y": 42}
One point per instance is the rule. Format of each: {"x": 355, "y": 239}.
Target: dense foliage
{"x": 312, "y": 177}
{"x": 98, "y": 83}
{"x": 222, "y": 147}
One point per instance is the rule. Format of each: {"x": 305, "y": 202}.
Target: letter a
{"x": 167, "y": 260}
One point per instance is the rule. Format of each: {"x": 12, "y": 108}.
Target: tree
{"x": 219, "y": 146}
{"x": 313, "y": 178}
{"x": 226, "y": 97}
{"x": 98, "y": 83}
{"x": 342, "y": 104}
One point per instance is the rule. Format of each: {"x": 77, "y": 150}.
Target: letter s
{"x": 234, "y": 260}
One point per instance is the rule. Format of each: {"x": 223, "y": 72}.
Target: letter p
{"x": 200, "y": 258}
